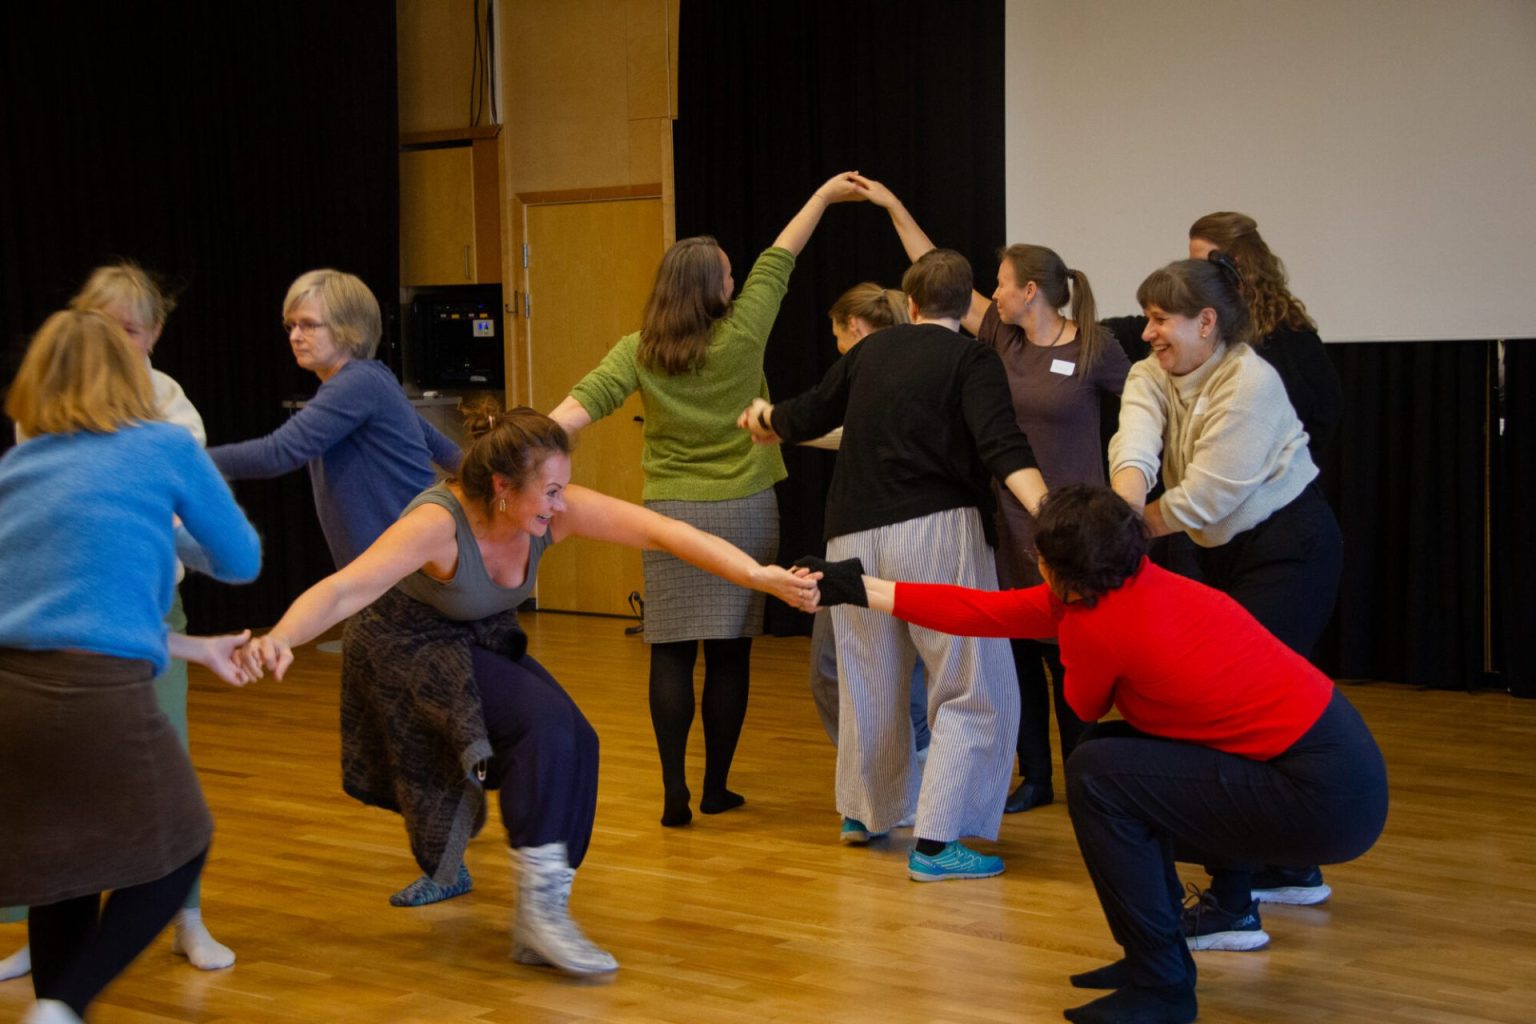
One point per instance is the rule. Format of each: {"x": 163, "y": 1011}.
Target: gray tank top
{"x": 471, "y": 594}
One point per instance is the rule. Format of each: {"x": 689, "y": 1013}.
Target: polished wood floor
{"x": 760, "y": 915}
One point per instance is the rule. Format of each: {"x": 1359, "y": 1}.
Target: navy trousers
{"x": 1139, "y": 802}
{"x": 544, "y": 760}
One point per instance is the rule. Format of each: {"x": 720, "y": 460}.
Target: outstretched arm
{"x": 424, "y": 537}
{"x": 916, "y": 241}
{"x": 571, "y": 415}
{"x": 839, "y": 188}
{"x": 598, "y": 517}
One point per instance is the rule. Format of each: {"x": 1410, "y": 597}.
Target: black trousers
{"x": 544, "y": 761}
{"x": 1285, "y": 571}
{"x": 1139, "y": 802}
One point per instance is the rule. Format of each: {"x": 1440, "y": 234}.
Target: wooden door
{"x": 590, "y": 268}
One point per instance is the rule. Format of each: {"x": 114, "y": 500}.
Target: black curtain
{"x": 1515, "y": 490}
{"x": 1407, "y": 476}
{"x": 230, "y": 149}
{"x": 774, "y": 98}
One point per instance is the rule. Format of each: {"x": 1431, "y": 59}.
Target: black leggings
{"x": 726, "y": 677}
{"x": 80, "y": 945}
{"x": 1031, "y": 659}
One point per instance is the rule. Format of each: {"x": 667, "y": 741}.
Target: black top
{"x": 927, "y": 422}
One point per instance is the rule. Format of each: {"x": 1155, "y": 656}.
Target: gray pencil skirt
{"x": 97, "y": 790}
{"x": 685, "y": 603}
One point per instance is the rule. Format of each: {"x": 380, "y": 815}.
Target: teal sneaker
{"x": 855, "y": 834}
{"x": 954, "y": 861}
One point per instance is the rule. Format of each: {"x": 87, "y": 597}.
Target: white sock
{"x": 193, "y": 942}
{"x": 17, "y": 965}
{"x": 50, "y": 1011}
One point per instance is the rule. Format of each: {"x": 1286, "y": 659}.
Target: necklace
{"x": 1059, "y": 332}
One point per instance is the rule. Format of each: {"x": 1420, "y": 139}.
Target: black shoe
{"x": 1208, "y": 925}
{"x": 1028, "y": 796}
{"x": 1301, "y": 887}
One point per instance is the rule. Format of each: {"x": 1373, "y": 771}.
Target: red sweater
{"x": 1178, "y": 659}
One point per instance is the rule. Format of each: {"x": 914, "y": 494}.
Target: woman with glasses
{"x": 369, "y": 452}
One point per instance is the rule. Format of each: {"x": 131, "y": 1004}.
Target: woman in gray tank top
{"x": 440, "y": 700}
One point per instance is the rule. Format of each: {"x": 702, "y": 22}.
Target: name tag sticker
{"x": 1199, "y": 406}
{"x": 1062, "y": 367}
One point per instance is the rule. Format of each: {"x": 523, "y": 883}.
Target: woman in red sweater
{"x": 1233, "y": 750}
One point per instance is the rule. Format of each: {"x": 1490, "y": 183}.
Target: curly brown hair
{"x": 1265, "y": 285}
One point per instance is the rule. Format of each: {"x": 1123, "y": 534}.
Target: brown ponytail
{"x": 1050, "y": 273}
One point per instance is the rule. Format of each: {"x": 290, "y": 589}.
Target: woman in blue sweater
{"x": 100, "y": 794}
{"x": 369, "y": 452}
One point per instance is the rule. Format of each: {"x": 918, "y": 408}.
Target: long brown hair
{"x": 509, "y": 442}
{"x": 1265, "y": 285}
{"x": 1052, "y": 276}
{"x": 686, "y": 301}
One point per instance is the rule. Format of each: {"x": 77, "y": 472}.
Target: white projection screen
{"x": 1387, "y": 149}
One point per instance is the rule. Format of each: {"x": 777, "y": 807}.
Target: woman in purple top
{"x": 369, "y": 451}
{"x": 1058, "y": 371}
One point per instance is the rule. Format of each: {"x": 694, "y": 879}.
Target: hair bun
{"x": 1228, "y": 267}
{"x": 481, "y": 416}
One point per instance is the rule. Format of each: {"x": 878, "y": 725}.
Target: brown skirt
{"x": 96, "y": 790}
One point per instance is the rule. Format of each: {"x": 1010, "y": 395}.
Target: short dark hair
{"x": 1090, "y": 539}
{"x": 940, "y": 282}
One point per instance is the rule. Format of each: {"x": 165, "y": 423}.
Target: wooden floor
{"x": 760, "y": 915}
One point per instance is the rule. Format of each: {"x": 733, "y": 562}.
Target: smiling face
{"x": 532, "y": 506}
{"x": 1180, "y": 344}
{"x": 309, "y": 335}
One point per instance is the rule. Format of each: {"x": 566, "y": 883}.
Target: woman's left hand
{"x": 221, "y": 656}
{"x": 752, "y": 420}
{"x": 794, "y": 590}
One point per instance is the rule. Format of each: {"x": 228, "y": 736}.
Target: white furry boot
{"x": 542, "y": 930}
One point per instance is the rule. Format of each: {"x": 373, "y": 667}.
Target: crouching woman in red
{"x": 1234, "y": 750}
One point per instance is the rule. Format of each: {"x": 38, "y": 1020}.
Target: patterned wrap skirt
{"x": 686, "y": 603}
{"x": 97, "y": 790}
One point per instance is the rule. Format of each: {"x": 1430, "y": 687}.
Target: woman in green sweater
{"x": 697, "y": 361}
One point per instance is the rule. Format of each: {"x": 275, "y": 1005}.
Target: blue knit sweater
{"x": 369, "y": 454}
{"x": 86, "y": 556}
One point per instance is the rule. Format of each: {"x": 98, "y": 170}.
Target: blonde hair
{"x": 1265, "y": 285}
{"x": 351, "y": 311}
{"x": 126, "y": 284}
{"x": 879, "y": 307}
{"x": 80, "y": 373}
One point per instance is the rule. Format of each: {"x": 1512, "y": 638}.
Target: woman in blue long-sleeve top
{"x": 98, "y": 790}
{"x": 369, "y": 451}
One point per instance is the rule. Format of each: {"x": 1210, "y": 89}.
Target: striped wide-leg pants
{"x": 973, "y": 695}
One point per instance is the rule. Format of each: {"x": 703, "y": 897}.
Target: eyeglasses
{"x": 304, "y": 327}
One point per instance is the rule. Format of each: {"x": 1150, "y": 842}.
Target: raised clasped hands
{"x": 873, "y": 191}
{"x": 842, "y": 188}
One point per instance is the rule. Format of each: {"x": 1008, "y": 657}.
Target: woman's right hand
{"x": 795, "y": 590}
{"x": 270, "y": 652}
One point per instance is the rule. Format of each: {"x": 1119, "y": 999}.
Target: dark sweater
{"x": 927, "y": 421}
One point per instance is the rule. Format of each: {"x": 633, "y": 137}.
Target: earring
{"x": 501, "y": 505}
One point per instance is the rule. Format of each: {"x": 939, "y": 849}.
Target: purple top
{"x": 369, "y": 454}
{"x": 1058, "y": 410}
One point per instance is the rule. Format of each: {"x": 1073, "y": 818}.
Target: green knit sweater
{"x": 693, "y": 449}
